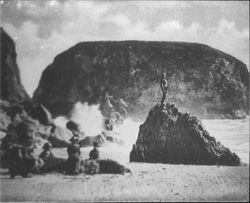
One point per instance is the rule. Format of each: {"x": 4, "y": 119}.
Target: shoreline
{"x": 148, "y": 182}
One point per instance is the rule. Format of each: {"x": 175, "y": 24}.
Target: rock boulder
{"x": 168, "y": 136}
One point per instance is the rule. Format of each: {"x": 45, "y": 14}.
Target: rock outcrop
{"x": 203, "y": 80}
{"x": 106, "y": 136}
{"x": 16, "y": 107}
{"x": 11, "y": 88}
{"x": 168, "y": 136}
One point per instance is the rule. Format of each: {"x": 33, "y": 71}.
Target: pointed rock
{"x": 168, "y": 136}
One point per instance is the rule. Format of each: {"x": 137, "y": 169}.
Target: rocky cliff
{"x": 168, "y": 136}
{"x": 11, "y": 88}
{"x": 16, "y": 107}
{"x": 203, "y": 80}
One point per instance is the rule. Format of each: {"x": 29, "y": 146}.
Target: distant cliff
{"x": 11, "y": 88}
{"x": 203, "y": 80}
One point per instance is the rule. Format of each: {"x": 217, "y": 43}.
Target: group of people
{"x": 74, "y": 163}
{"x": 23, "y": 161}
{"x": 20, "y": 154}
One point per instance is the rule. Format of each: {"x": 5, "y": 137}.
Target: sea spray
{"x": 233, "y": 134}
{"x": 88, "y": 117}
{"x": 128, "y": 132}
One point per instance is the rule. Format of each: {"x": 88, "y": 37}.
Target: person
{"x": 73, "y": 163}
{"x": 16, "y": 165}
{"x": 16, "y": 154}
{"x": 46, "y": 153}
{"x": 164, "y": 88}
{"x": 74, "y": 148}
{"x": 31, "y": 162}
{"x": 48, "y": 157}
{"x": 93, "y": 166}
{"x": 94, "y": 153}
{"x": 23, "y": 160}
{"x": 74, "y": 128}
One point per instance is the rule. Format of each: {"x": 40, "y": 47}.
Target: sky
{"x": 43, "y": 29}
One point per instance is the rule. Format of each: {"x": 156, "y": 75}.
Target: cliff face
{"x": 203, "y": 80}
{"x": 16, "y": 107}
{"x": 11, "y": 87}
{"x": 168, "y": 136}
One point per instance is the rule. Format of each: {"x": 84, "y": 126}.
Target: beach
{"x": 148, "y": 182}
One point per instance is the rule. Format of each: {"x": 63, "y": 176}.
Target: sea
{"x": 233, "y": 134}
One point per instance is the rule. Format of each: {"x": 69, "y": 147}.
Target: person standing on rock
{"x": 164, "y": 88}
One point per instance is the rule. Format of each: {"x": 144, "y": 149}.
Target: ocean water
{"x": 233, "y": 134}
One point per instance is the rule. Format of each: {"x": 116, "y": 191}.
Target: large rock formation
{"x": 16, "y": 107}
{"x": 11, "y": 88}
{"x": 168, "y": 136}
{"x": 203, "y": 80}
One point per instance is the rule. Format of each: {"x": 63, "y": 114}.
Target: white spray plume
{"x": 61, "y": 121}
{"x": 90, "y": 120}
{"x": 128, "y": 132}
{"x": 88, "y": 117}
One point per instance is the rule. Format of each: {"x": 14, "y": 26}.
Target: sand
{"x": 148, "y": 182}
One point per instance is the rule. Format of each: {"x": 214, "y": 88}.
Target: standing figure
{"x": 31, "y": 162}
{"x": 74, "y": 128}
{"x": 94, "y": 153}
{"x": 73, "y": 163}
{"x": 93, "y": 166}
{"x": 164, "y": 88}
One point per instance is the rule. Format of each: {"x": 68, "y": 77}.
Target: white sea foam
{"x": 233, "y": 134}
{"x": 88, "y": 117}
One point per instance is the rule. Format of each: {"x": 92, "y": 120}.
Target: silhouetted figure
{"x": 48, "y": 157}
{"x": 21, "y": 156}
{"x": 93, "y": 165}
{"x": 74, "y": 128}
{"x": 32, "y": 162}
{"x": 73, "y": 163}
{"x": 23, "y": 160}
{"x": 46, "y": 153}
{"x": 164, "y": 88}
{"x": 16, "y": 161}
{"x": 94, "y": 153}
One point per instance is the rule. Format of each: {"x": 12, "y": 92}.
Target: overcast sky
{"x": 43, "y": 29}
